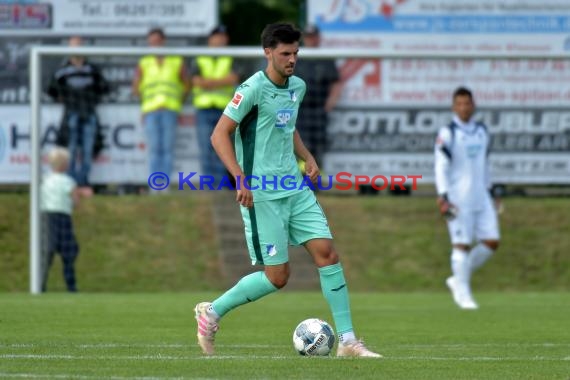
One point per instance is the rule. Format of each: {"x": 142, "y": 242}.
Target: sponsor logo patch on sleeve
{"x": 238, "y": 97}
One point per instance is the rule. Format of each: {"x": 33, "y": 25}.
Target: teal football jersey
{"x": 266, "y": 114}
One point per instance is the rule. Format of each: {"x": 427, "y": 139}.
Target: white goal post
{"x": 38, "y": 53}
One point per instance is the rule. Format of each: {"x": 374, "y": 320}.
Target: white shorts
{"x": 470, "y": 225}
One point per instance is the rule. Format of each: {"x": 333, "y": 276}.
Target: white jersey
{"x": 461, "y": 164}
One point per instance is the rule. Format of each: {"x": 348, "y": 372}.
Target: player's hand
{"x": 446, "y": 208}
{"x": 244, "y": 195}
{"x": 86, "y": 191}
{"x": 197, "y": 81}
{"x": 245, "y": 198}
{"x": 312, "y": 170}
{"x": 203, "y": 83}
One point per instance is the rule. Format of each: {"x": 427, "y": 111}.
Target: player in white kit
{"x": 464, "y": 195}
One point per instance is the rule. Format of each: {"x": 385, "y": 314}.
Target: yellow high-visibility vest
{"x": 213, "y": 68}
{"x": 161, "y": 86}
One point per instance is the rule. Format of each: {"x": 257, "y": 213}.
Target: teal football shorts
{"x": 272, "y": 225}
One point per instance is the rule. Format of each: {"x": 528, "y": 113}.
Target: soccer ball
{"x": 313, "y": 337}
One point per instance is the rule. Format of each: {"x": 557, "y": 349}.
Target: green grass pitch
{"x": 152, "y": 336}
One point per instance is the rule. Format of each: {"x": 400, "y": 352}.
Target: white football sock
{"x": 460, "y": 266}
{"x": 346, "y": 337}
{"x": 478, "y": 256}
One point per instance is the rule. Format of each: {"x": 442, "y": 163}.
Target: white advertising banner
{"x": 444, "y": 25}
{"x": 495, "y": 83}
{"x": 391, "y": 109}
{"x": 123, "y": 159}
{"x": 109, "y": 18}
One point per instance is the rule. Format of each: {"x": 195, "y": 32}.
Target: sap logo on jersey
{"x": 283, "y": 117}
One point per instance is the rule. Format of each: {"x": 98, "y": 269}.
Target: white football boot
{"x": 355, "y": 348}
{"x": 461, "y": 294}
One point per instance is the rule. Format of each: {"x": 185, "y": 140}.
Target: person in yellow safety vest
{"x": 162, "y": 84}
{"x": 214, "y": 79}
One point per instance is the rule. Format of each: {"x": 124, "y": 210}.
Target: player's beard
{"x": 283, "y": 71}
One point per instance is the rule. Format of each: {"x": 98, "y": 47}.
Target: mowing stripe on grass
{"x": 272, "y": 357}
{"x": 74, "y": 376}
{"x": 254, "y": 345}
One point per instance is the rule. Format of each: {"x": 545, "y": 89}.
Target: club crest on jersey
{"x": 238, "y": 97}
{"x": 473, "y": 150}
{"x": 293, "y": 95}
{"x": 283, "y": 117}
{"x": 271, "y": 250}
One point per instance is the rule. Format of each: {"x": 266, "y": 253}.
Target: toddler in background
{"x": 59, "y": 195}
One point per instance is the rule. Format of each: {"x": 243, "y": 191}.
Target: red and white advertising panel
{"x": 391, "y": 109}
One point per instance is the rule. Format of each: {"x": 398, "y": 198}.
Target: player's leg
{"x": 308, "y": 226}
{"x": 69, "y": 252}
{"x": 482, "y": 252}
{"x": 88, "y": 132}
{"x": 169, "y": 125}
{"x": 267, "y": 245}
{"x": 461, "y": 234}
{"x": 48, "y": 260}
{"x": 206, "y": 120}
{"x": 208, "y": 314}
{"x": 487, "y": 234}
{"x": 335, "y": 291}
{"x": 49, "y": 231}
{"x": 152, "y": 129}
{"x": 216, "y": 167}
{"x": 266, "y": 236}
{"x": 72, "y": 120}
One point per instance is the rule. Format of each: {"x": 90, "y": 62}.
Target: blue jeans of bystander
{"x": 82, "y": 130}
{"x": 160, "y": 128}
{"x": 206, "y": 120}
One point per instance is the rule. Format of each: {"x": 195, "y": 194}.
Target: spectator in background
{"x": 213, "y": 83}
{"x": 79, "y": 85}
{"x": 59, "y": 194}
{"x": 324, "y": 88}
{"x": 464, "y": 195}
{"x": 162, "y": 83}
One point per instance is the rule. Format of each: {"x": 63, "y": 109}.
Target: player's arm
{"x": 222, "y": 143}
{"x": 442, "y": 152}
{"x": 334, "y": 95}
{"x": 75, "y": 196}
{"x": 136, "y": 81}
{"x": 54, "y": 88}
{"x": 186, "y": 81}
{"x": 497, "y": 202}
{"x": 336, "y": 86}
{"x": 102, "y": 86}
{"x": 229, "y": 80}
{"x": 196, "y": 79}
{"x": 70, "y": 187}
{"x": 301, "y": 151}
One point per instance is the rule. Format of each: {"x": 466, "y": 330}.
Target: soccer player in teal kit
{"x": 262, "y": 114}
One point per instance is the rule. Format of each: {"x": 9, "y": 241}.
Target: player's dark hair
{"x": 462, "y": 91}
{"x": 158, "y": 31}
{"x": 274, "y": 34}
